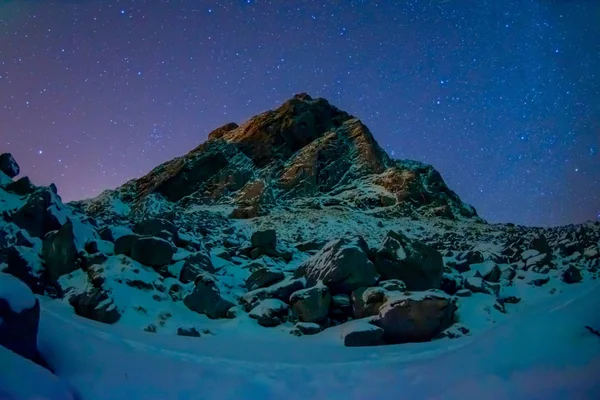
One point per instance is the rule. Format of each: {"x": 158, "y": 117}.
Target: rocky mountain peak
{"x": 305, "y": 153}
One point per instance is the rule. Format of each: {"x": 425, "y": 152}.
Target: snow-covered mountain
{"x": 295, "y": 228}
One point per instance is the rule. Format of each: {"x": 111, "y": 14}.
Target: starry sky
{"x": 502, "y": 97}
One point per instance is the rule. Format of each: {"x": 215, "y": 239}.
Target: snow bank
{"x": 545, "y": 353}
{"x": 16, "y": 293}
{"x": 22, "y": 379}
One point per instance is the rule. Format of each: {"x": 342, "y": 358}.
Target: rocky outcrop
{"x": 59, "y": 252}
{"x": 8, "y": 165}
{"x": 342, "y": 265}
{"x": 263, "y": 277}
{"x": 42, "y": 212}
{"x": 194, "y": 265}
{"x": 418, "y": 265}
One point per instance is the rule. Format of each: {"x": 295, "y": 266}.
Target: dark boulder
{"x": 152, "y": 251}
{"x": 418, "y": 265}
{"x": 8, "y": 165}
{"x": 206, "y": 299}
{"x": 60, "y": 252}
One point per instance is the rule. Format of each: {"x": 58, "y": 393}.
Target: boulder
{"x": 8, "y": 165}
{"x": 19, "y": 318}
{"x": 416, "y": 317}
{"x": 263, "y": 277}
{"x": 270, "y": 312}
{"x": 366, "y": 302}
{"x": 96, "y": 305}
{"x": 152, "y": 251}
{"x": 42, "y": 212}
{"x": 451, "y": 283}
{"x": 206, "y": 298}
{"x": 476, "y": 285}
{"x": 305, "y": 328}
{"x": 124, "y": 243}
{"x": 488, "y": 270}
{"x": 360, "y": 333}
{"x": 312, "y": 304}
{"x": 342, "y": 265}
{"x": 59, "y": 252}
{"x": 194, "y": 265}
{"x": 264, "y": 239}
{"x": 418, "y": 265}
{"x": 572, "y": 275}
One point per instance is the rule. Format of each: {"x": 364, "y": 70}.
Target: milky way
{"x": 502, "y": 97}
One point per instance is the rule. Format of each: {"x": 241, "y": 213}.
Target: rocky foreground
{"x": 296, "y": 222}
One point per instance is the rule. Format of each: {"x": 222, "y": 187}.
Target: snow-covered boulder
{"x": 263, "y": 277}
{"x": 393, "y": 285}
{"x": 415, "y": 317}
{"x": 343, "y": 265}
{"x": 361, "y": 332}
{"x": 488, "y": 270}
{"x": 157, "y": 227}
{"x": 418, "y": 265}
{"x": 19, "y": 317}
{"x": 312, "y": 304}
{"x": 152, "y": 251}
{"x": 305, "y": 328}
{"x": 206, "y": 298}
{"x": 97, "y": 305}
{"x": 270, "y": 312}
{"x": 8, "y": 165}
{"x": 194, "y": 265}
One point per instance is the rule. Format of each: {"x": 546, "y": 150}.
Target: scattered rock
{"x": 572, "y": 275}
{"x": 342, "y": 265}
{"x": 270, "y": 312}
{"x": 191, "y": 332}
{"x": 488, "y": 270}
{"x": 152, "y": 251}
{"x": 263, "y": 277}
{"x": 206, "y": 299}
{"x": 157, "y": 227}
{"x": 312, "y": 304}
{"x": 150, "y": 328}
{"x": 418, "y": 265}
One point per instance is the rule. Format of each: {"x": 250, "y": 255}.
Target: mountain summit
{"x": 306, "y": 153}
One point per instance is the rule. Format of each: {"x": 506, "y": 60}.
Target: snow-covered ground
{"x": 542, "y": 353}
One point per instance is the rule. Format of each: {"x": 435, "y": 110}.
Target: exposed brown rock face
{"x": 305, "y": 149}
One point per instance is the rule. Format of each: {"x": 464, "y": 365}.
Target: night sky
{"x": 502, "y": 97}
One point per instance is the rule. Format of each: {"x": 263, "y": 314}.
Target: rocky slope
{"x": 292, "y": 223}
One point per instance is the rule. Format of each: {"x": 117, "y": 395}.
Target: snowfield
{"x": 542, "y": 353}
